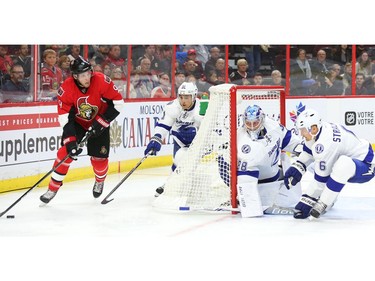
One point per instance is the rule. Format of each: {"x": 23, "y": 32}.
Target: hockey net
{"x": 206, "y": 178}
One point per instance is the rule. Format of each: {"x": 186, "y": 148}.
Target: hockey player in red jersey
{"x": 87, "y": 102}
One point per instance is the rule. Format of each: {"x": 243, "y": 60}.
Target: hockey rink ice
{"x": 75, "y": 237}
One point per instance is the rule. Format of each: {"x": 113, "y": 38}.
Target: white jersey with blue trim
{"x": 175, "y": 117}
{"x": 332, "y": 141}
{"x": 263, "y": 155}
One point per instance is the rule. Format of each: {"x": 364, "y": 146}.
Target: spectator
{"x": 202, "y": 52}
{"x": 300, "y": 74}
{"x": 192, "y": 55}
{"x": 347, "y": 78}
{"x": 258, "y": 79}
{"x": 220, "y": 69}
{"x": 154, "y": 62}
{"x": 107, "y": 69}
{"x": 64, "y": 64}
{"x": 52, "y": 76}
{"x": 16, "y": 89}
{"x": 363, "y": 65}
{"x": 214, "y": 55}
{"x": 191, "y": 78}
{"x": 136, "y": 88}
{"x": 147, "y": 80}
{"x": 101, "y": 54}
{"x": 371, "y": 88}
{"x": 211, "y": 80}
{"x": 253, "y": 56}
{"x": 241, "y": 76}
{"x": 118, "y": 80}
{"x": 73, "y": 52}
{"x": 331, "y": 85}
{"x": 6, "y": 63}
{"x": 59, "y": 49}
{"x": 319, "y": 67}
{"x": 179, "y": 77}
{"x": 97, "y": 68}
{"x": 164, "y": 89}
{"x": 277, "y": 79}
{"x": 24, "y": 59}
{"x": 114, "y": 58}
{"x": 342, "y": 55}
{"x": 166, "y": 60}
{"x": 191, "y": 68}
{"x": 360, "y": 89}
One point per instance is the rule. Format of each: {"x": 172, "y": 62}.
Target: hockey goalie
{"x": 261, "y": 145}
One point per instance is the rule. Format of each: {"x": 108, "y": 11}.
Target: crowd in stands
{"x": 156, "y": 71}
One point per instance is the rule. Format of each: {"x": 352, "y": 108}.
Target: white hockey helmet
{"x": 253, "y": 119}
{"x": 308, "y": 118}
{"x": 188, "y": 88}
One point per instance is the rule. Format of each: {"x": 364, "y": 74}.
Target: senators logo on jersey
{"x": 86, "y": 111}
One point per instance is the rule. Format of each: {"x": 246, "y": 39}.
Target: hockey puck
{"x": 10, "y": 217}
{"x": 184, "y": 208}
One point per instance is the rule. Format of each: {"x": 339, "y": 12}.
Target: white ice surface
{"x": 75, "y": 237}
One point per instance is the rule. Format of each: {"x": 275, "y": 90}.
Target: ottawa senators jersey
{"x": 87, "y": 105}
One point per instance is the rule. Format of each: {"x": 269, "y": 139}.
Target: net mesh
{"x": 202, "y": 179}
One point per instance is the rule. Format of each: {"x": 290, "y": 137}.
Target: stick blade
{"x": 105, "y": 201}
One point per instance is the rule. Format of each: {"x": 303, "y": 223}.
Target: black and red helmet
{"x": 80, "y": 65}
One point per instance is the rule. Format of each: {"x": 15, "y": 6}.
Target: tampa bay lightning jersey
{"x": 260, "y": 158}
{"x": 175, "y": 117}
{"x": 332, "y": 141}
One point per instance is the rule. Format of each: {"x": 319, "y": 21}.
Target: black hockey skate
{"x": 97, "y": 189}
{"x": 318, "y": 209}
{"x": 48, "y": 196}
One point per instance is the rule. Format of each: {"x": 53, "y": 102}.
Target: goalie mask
{"x": 308, "y": 118}
{"x": 253, "y": 121}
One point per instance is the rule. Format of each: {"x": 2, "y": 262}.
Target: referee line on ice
{"x": 195, "y": 227}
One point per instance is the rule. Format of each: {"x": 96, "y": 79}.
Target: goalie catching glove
{"x": 98, "y": 125}
{"x": 72, "y": 147}
{"x": 294, "y": 174}
{"x": 154, "y": 146}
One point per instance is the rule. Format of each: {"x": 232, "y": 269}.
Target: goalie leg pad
{"x": 248, "y": 196}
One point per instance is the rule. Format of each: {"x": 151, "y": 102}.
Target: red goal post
{"x": 206, "y": 178}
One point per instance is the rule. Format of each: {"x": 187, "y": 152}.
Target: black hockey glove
{"x": 154, "y": 146}
{"x": 186, "y": 135}
{"x": 72, "y": 147}
{"x": 98, "y": 125}
{"x": 303, "y": 208}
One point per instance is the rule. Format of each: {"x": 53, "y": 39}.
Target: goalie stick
{"x": 88, "y": 134}
{"x": 272, "y": 210}
{"x": 105, "y": 200}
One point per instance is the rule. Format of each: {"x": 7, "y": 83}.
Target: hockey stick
{"x": 88, "y": 134}
{"x": 105, "y": 200}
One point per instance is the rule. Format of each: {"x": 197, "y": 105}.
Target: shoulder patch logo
{"x": 319, "y": 148}
{"x": 246, "y": 149}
